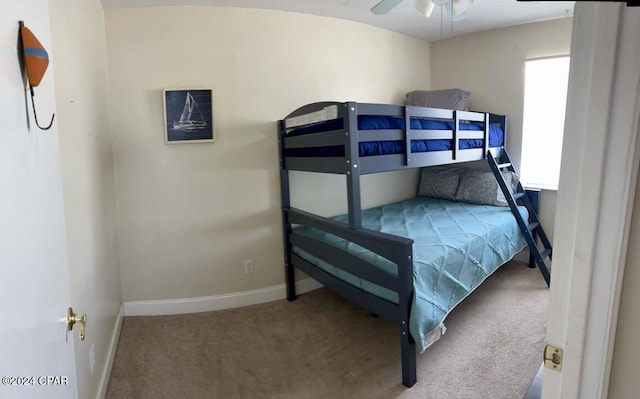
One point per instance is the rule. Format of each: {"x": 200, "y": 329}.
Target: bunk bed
{"x": 394, "y": 260}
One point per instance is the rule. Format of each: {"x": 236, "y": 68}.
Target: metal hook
{"x": 35, "y": 115}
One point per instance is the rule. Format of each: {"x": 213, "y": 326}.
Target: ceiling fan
{"x": 457, "y": 9}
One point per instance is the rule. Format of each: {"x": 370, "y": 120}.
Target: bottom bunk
{"x": 412, "y": 261}
{"x": 456, "y": 247}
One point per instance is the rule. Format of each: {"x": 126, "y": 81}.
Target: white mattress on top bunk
{"x": 328, "y": 113}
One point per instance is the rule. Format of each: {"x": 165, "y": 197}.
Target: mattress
{"x": 379, "y": 122}
{"x": 456, "y": 247}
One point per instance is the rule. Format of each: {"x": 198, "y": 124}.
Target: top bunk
{"x": 341, "y": 137}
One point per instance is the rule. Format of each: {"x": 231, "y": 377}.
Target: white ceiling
{"x": 483, "y": 14}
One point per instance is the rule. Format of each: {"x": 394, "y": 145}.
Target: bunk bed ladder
{"x": 532, "y": 229}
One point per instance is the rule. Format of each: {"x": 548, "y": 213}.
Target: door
{"x": 37, "y": 354}
{"x": 597, "y": 189}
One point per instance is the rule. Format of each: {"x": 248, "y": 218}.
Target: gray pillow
{"x": 439, "y": 182}
{"x": 448, "y": 99}
{"x": 480, "y": 187}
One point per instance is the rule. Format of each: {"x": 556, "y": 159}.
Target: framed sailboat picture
{"x": 188, "y": 115}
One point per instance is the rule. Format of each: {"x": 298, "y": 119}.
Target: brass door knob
{"x": 73, "y": 318}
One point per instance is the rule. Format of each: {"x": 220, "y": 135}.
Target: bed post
{"x": 405, "y": 296}
{"x": 285, "y": 205}
{"x": 352, "y": 154}
{"x": 456, "y": 144}
{"x": 406, "y": 133}
{"x": 487, "y": 127}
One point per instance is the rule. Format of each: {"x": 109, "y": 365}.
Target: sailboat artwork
{"x": 191, "y": 117}
{"x": 188, "y": 115}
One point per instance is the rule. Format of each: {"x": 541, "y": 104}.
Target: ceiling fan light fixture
{"x": 425, "y": 7}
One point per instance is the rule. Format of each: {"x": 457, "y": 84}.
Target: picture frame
{"x": 188, "y": 115}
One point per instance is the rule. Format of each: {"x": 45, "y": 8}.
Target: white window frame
{"x": 539, "y": 148}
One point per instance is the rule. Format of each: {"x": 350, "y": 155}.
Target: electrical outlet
{"x": 248, "y": 266}
{"x": 92, "y": 357}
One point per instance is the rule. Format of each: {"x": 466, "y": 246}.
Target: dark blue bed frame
{"x": 397, "y": 249}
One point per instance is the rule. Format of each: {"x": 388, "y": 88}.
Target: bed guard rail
{"x": 347, "y": 134}
{"x": 396, "y": 249}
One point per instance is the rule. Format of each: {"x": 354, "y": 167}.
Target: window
{"x": 545, "y": 97}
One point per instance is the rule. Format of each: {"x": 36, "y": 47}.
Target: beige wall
{"x": 624, "y": 382}
{"x": 190, "y": 214}
{"x": 82, "y": 96}
{"x": 491, "y": 66}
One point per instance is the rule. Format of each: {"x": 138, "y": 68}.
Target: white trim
{"x": 597, "y": 188}
{"x": 115, "y": 337}
{"x": 550, "y": 57}
{"x": 544, "y": 187}
{"x": 618, "y": 196}
{"x": 215, "y": 302}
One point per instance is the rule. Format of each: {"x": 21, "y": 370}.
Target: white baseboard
{"x": 115, "y": 337}
{"x": 215, "y": 302}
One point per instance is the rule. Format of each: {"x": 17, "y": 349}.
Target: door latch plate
{"x": 553, "y": 357}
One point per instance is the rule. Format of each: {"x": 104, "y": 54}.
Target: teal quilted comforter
{"x": 456, "y": 247}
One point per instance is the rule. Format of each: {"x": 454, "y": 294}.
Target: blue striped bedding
{"x": 456, "y": 247}
{"x": 378, "y": 122}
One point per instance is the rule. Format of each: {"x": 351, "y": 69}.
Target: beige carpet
{"x": 321, "y": 346}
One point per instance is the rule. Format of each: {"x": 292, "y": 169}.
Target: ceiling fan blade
{"x": 385, "y": 6}
{"x": 460, "y": 6}
{"x": 453, "y": 14}
{"x": 425, "y": 7}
